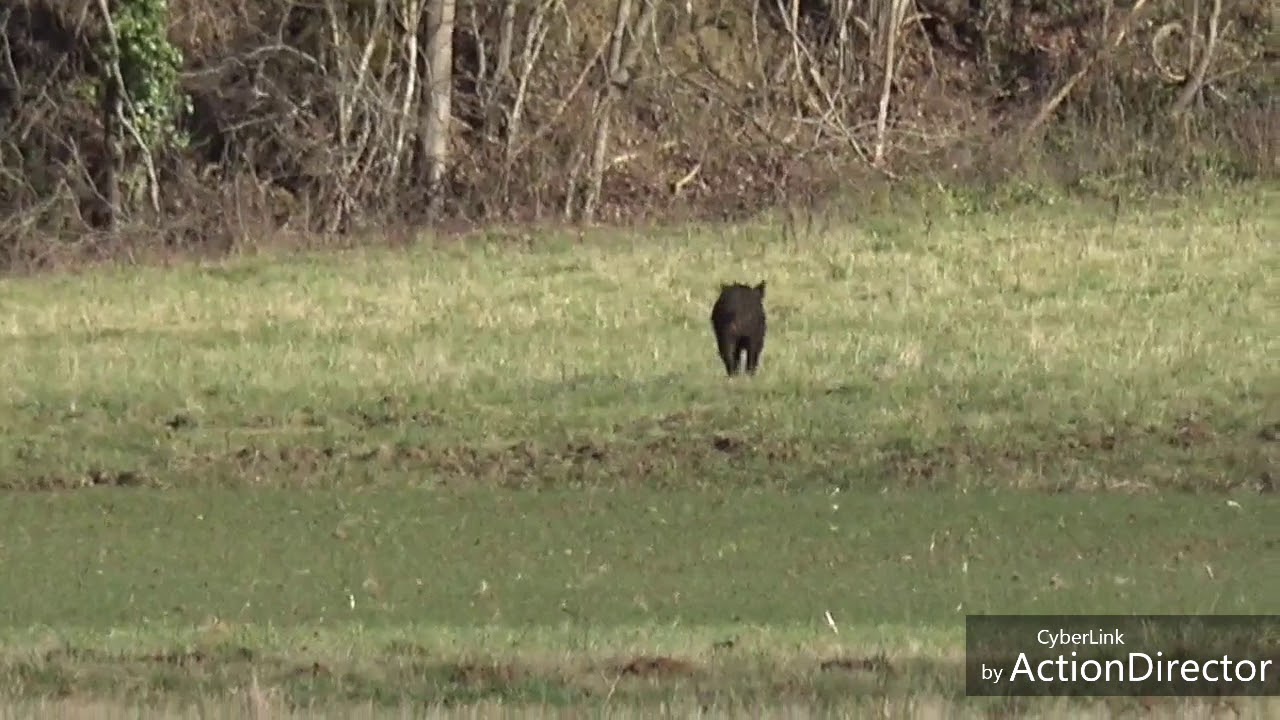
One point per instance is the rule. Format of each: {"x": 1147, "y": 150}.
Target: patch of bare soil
{"x": 1189, "y": 432}
{"x": 589, "y": 452}
{"x": 391, "y": 411}
{"x": 1093, "y": 440}
{"x": 656, "y": 667}
{"x": 57, "y": 482}
{"x": 173, "y": 658}
{"x": 1192, "y": 452}
{"x": 727, "y": 445}
{"x": 119, "y": 478}
{"x": 1270, "y": 433}
{"x": 485, "y": 675}
{"x": 876, "y": 664}
{"x": 179, "y": 659}
{"x": 314, "y": 670}
{"x": 180, "y": 421}
{"x": 1207, "y": 458}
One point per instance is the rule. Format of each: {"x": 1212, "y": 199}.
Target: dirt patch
{"x": 675, "y": 421}
{"x": 1190, "y": 454}
{"x": 173, "y": 658}
{"x": 727, "y": 445}
{"x": 314, "y": 670}
{"x": 391, "y": 411}
{"x": 254, "y": 461}
{"x": 116, "y": 478}
{"x": 92, "y": 479}
{"x": 1189, "y": 432}
{"x": 915, "y": 466}
{"x": 657, "y": 666}
{"x": 588, "y": 452}
{"x": 1270, "y": 433}
{"x": 179, "y": 659}
{"x": 855, "y": 664}
{"x": 486, "y": 675}
{"x": 180, "y": 421}
{"x": 1093, "y": 440}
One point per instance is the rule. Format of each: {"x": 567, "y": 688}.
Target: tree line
{"x": 207, "y": 122}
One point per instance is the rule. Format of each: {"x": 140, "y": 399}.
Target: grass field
{"x": 510, "y": 473}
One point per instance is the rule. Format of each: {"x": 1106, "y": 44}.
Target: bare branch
{"x": 892, "y": 23}
{"x": 1196, "y": 81}
{"x": 619, "y": 72}
{"x": 1046, "y": 110}
{"x": 412, "y": 10}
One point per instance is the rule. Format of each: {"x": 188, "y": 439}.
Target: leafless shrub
{"x": 317, "y": 115}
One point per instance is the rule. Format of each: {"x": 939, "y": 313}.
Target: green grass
{"x": 619, "y": 558}
{"x": 1052, "y": 348}
{"x": 421, "y": 596}
{"x": 501, "y": 471}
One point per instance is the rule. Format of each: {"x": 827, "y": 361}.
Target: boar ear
{"x": 760, "y": 288}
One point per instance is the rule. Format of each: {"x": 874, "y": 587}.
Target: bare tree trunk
{"x": 891, "y": 23}
{"x": 604, "y": 111}
{"x": 440, "y": 79}
{"x": 495, "y": 94}
{"x": 112, "y": 109}
{"x": 1196, "y": 79}
{"x": 619, "y": 74}
{"x": 412, "y": 17}
{"x": 109, "y": 172}
{"x": 506, "y": 40}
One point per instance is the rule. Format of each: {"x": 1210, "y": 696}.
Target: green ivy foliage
{"x": 149, "y": 66}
